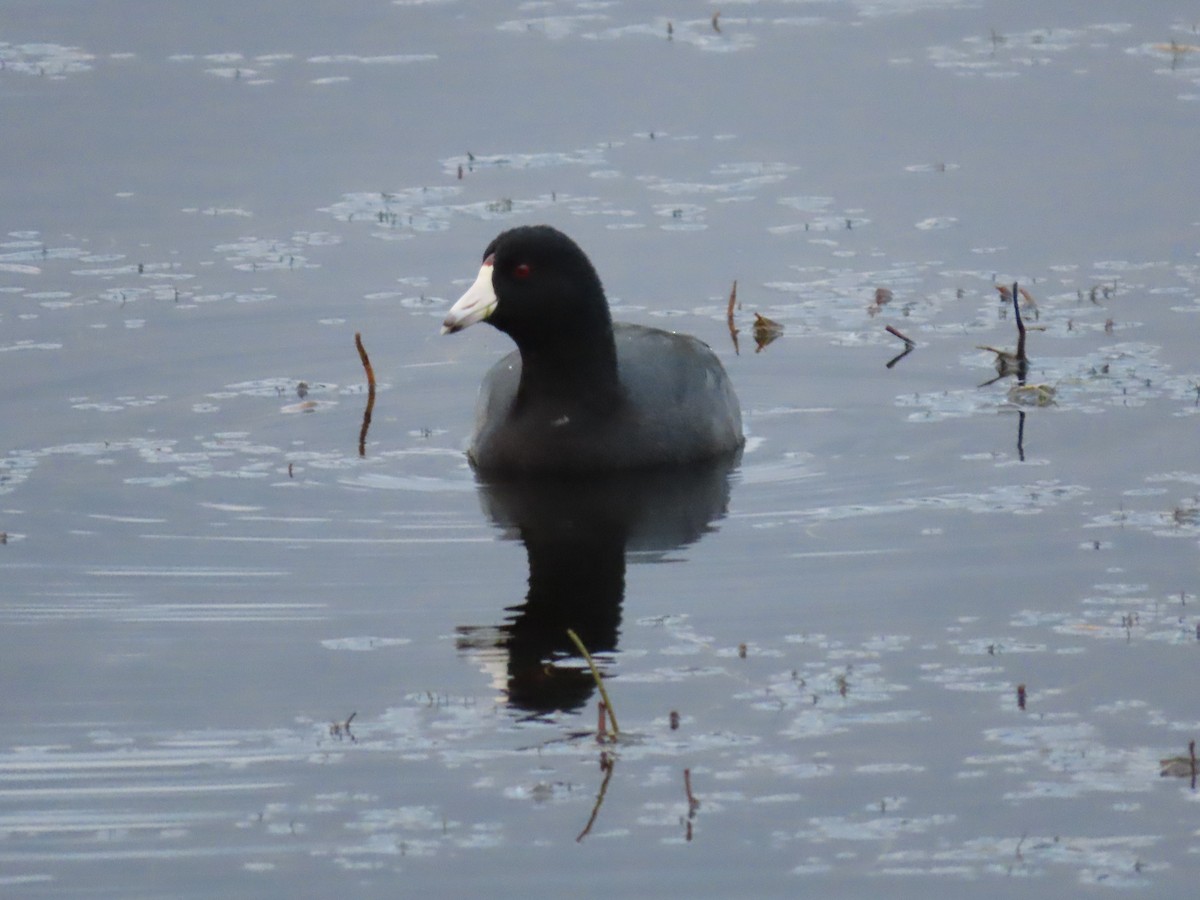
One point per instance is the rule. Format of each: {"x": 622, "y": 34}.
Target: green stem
{"x": 612, "y": 715}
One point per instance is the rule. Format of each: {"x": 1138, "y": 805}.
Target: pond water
{"x": 934, "y": 631}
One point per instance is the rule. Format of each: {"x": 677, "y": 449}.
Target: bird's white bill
{"x": 475, "y": 305}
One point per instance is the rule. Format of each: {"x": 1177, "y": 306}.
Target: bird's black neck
{"x": 570, "y": 371}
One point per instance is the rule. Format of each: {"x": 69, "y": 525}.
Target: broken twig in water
{"x": 897, "y": 333}
{"x": 909, "y": 345}
{"x": 612, "y": 716}
{"x": 366, "y": 423}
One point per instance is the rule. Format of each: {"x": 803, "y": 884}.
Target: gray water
{"x": 241, "y": 658}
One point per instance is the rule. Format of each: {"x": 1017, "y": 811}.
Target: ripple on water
{"x": 45, "y": 60}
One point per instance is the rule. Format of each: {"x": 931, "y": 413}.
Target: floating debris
{"x": 1010, "y": 363}
{"x": 1180, "y": 766}
{"x": 1006, "y": 360}
{"x": 1006, "y": 293}
{"x": 1032, "y": 394}
{"x": 304, "y": 406}
{"x": 765, "y": 331}
{"x": 341, "y": 730}
{"x": 1186, "y": 515}
{"x": 1177, "y": 50}
{"x": 883, "y": 296}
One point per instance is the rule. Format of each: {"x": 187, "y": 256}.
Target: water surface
{"x": 928, "y": 634}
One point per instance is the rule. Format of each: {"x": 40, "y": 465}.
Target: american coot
{"x": 581, "y": 394}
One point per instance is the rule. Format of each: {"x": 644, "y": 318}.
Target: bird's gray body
{"x": 675, "y": 405}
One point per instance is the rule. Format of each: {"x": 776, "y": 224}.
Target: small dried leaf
{"x": 765, "y": 330}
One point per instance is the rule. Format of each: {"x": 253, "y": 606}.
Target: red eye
{"x": 521, "y": 271}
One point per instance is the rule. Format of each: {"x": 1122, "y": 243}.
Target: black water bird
{"x": 581, "y": 394}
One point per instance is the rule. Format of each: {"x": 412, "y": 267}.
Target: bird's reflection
{"x": 578, "y": 534}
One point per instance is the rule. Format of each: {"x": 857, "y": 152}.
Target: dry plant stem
{"x": 612, "y": 715}
{"x": 366, "y": 362}
{"x": 1016, "y": 295}
{"x": 362, "y": 355}
{"x": 733, "y": 329}
{"x": 693, "y": 803}
{"x": 909, "y": 345}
